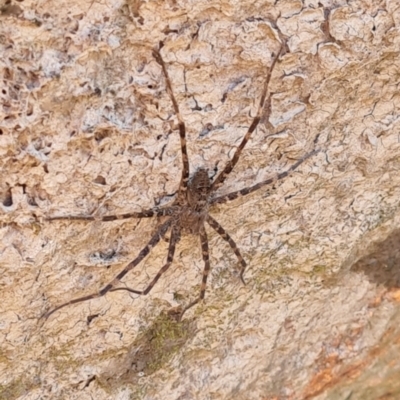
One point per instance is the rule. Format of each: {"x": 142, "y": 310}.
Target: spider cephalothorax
{"x": 190, "y": 211}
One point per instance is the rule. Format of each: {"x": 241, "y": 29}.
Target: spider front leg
{"x": 243, "y": 192}
{"x": 219, "y": 180}
{"x": 181, "y": 124}
{"x": 162, "y": 230}
{"x": 153, "y": 212}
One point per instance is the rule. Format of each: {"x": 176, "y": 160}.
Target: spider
{"x": 190, "y": 210}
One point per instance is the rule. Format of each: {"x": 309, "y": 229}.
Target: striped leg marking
{"x": 181, "y": 124}
{"x": 143, "y": 253}
{"x": 153, "y": 212}
{"x": 229, "y": 166}
{"x": 242, "y": 192}
{"x": 225, "y": 235}
{"x": 206, "y": 271}
{"x": 170, "y": 258}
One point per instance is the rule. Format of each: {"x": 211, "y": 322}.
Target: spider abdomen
{"x": 198, "y": 190}
{"x": 194, "y": 213}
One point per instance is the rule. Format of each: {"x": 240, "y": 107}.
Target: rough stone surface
{"x": 86, "y": 127}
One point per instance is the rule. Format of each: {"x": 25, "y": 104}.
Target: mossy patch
{"x": 158, "y": 343}
{"x": 154, "y": 347}
{"x": 16, "y": 389}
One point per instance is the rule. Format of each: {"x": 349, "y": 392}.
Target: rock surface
{"x": 86, "y": 127}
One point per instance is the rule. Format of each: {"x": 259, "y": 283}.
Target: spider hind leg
{"x": 206, "y": 271}
{"x": 225, "y": 235}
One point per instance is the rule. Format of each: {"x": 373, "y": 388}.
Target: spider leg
{"x": 162, "y": 230}
{"x": 181, "y": 124}
{"x": 225, "y": 235}
{"x": 170, "y": 257}
{"x": 206, "y": 259}
{"x": 154, "y": 212}
{"x": 242, "y": 192}
{"x": 219, "y": 180}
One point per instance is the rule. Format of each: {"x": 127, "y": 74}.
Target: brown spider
{"x": 190, "y": 210}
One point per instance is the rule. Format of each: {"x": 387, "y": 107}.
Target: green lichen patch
{"x": 16, "y": 389}
{"x": 159, "y": 342}
{"x": 152, "y": 350}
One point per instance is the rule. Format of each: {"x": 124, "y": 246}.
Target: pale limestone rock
{"x": 87, "y": 127}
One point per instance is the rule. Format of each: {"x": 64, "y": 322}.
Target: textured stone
{"x": 86, "y": 127}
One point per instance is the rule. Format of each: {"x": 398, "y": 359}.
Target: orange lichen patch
{"x": 321, "y": 380}
{"x": 376, "y": 301}
{"x": 289, "y": 397}
{"x": 331, "y": 375}
{"x": 378, "y": 350}
{"x": 324, "y": 376}
{"x": 387, "y": 396}
{"x": 397, "y": 340}
{"x": 393, "y": 294}
{"x": 329, "y": 378}
{"x": 393, "y": 363}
